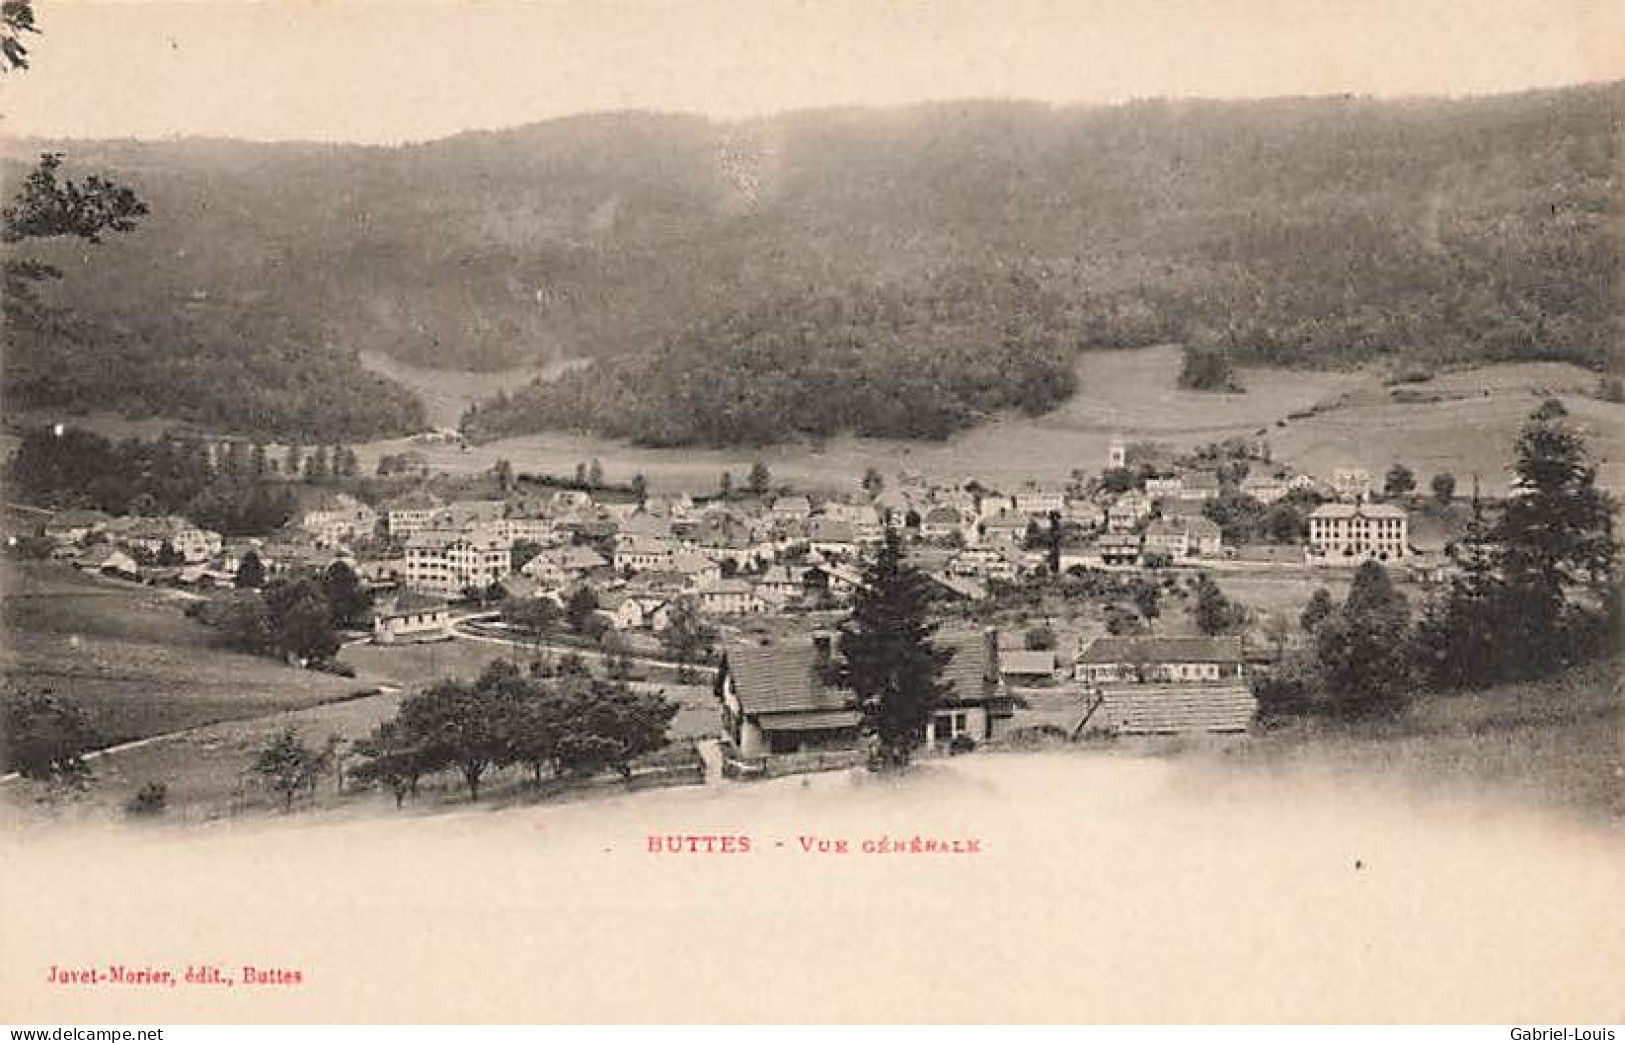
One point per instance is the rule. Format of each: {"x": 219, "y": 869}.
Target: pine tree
{"x": 760, "y": 478}
{"x": 888, "y": 658}
{"x": 1364, "y": 649}
{"x": 250, "y": 572}
{"x": 1053, "y": 541}
{"x": 317, "y": 467}
{"x": 1545, "y": 580}
{"x": 1315, "y": 612}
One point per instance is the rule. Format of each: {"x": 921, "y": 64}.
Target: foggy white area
{"x": 1108, "y": 888}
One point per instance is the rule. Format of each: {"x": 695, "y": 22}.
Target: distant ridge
{"x": 1311, "y": 231}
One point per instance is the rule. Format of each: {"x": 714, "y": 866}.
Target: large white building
{"x": 448, "y": 563}
{"x": 1349, "y": 533}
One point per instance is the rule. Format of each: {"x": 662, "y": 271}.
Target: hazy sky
{"x": 401, "y": 70}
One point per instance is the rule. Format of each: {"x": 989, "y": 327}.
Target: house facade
{"x": 411, "y": 617}
{"x": 1349, "y": 533}
{"x": 446, "y": 564}
{"x": 1161, "y": 660}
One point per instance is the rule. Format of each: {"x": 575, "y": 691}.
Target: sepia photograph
{"x": 801, "y": 512}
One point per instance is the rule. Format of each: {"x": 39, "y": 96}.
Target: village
{"x": 744, "y": 588}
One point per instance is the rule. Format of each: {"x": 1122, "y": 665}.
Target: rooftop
{"x": 1162, "y": 650}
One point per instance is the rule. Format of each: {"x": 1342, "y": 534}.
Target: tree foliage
{"x": 1363, "y": 650}
{"x": 167, "y": 475}
{"x": 888, "y": 658}
{"x": 288, "y": 766}
{"x": 1537, "y": 587}
{"x": 348, "y": 602}
{"x": 574, "y": 725}
{"x": 46, "y": 738}
{"x": 1213, "y": 612}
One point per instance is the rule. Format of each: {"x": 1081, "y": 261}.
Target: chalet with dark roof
{"x": 780, "y": 697}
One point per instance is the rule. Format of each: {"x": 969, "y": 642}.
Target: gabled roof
{"x": 1151, "y": 650}
{"x": 576, "y": 556}
{"x": 1353, "y": 510}
{"x": 830, "y": 530}
{"x": 416, "y": 501}
{"x": 784, "y": 677}
{"x": 409, "y": 602}
{"x": 689, "y": 562}
{"x": 780, "y": 678}
{"x": 1200, "y": 480}
{"x": 1152, "y": 709}
{"x": 1027, "y": 662}
{"x": 960, "y": 586}
{"x": 796, "y": 504}
{"x": 77, "y": 517}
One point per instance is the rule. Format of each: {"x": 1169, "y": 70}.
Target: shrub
{"x": 151, "y": 799}
{"x": 1287, "y": 693}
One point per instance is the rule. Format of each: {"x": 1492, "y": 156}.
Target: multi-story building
{"x": 1183, "y": 536}
{"x": 337, "y": 519}
{"x": 1165, "y": 485}
{"x": 1349, "y": 533}
{"x": 1038, "y": 501}
{"x": 448, "y": 563}
{"x": 410, "y": 515}
{"x": 638, "y": 553}
{"x": 1127, "y": 511}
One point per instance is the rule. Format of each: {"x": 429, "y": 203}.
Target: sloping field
{"x": 447, "y": 393}
{"x": 131, "y": 659}
{"x": 1463, "y": 436}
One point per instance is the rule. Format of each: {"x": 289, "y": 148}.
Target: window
{"x": 951, "y": 725}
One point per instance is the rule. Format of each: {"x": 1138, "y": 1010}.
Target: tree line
{"x": 241, "y": 491}
{"x": 573, "y": 725}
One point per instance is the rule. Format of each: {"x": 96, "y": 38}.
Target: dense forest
{"x": 1309, "y": 232}
{"x": 886, "y": 362}
{"x": 240, "y": 496}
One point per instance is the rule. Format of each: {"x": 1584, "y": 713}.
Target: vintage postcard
{"x": 812, "y": 511}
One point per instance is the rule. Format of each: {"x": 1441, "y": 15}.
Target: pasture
{"x": 128, "y": 656}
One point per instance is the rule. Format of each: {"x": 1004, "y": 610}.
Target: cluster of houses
{"x": 135, "y": 546}
{"x": 734, "y": 556}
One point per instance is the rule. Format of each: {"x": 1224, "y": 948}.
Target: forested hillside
{"x": 948, "y": 257}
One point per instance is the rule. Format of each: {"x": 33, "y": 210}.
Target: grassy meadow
{"x": 133, "y": 661}
{"x": 1316, "y": 420}
{"x": 1557, "y": 743}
